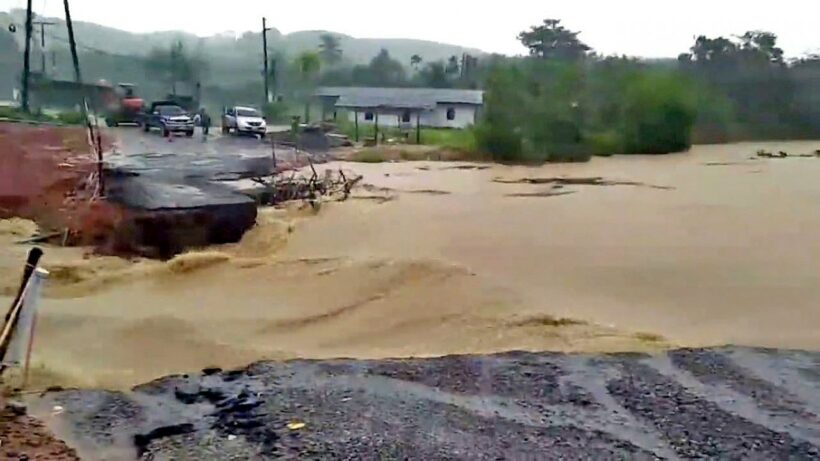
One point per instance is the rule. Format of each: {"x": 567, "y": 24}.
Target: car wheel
{"x": 225, "y": 130}
{"x": 165, "y": 132}
{"x": 189, "y": 133}
{"x": 145, "y": 127}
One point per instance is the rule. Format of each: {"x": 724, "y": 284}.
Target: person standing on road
{"x": 203, "y": 119}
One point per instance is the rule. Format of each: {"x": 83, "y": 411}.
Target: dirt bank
{"x": 436, "y": 258}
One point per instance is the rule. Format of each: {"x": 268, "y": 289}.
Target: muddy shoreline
{"x": 690, "y": 403}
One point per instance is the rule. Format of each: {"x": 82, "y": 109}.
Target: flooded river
{"x": 706, "y": 248}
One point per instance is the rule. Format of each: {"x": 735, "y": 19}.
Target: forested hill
{"x": 247, "y": 46}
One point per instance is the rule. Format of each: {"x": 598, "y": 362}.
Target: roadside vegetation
{"x": 462, "y": 140}
{"x": 65, "y": 118}
{"x": 564, "y": 102}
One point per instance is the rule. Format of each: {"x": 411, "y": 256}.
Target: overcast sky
{"x": 649, "y": 28}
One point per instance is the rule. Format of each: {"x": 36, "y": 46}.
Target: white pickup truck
{"x": 243, "y": 120}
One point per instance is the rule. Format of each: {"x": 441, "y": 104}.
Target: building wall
{"x": 465, "y": 115}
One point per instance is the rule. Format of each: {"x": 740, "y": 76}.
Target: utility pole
{"x": 72, "y": 43}
{"x": 265, "y": 57}
{"x": 43, "y": 25}
{"x": 26, "y": 59}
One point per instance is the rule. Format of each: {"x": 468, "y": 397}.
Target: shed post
{"x": 377, "y": 127}
{"x": 418, "y": 127}
{"x": 356, "y": 123}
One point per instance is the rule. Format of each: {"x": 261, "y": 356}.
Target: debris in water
{"x": 467, "y": 167}
{"x": 549, "y": 193}
{"x": 583, "y": 181}
{"x": 295, "y": 425}
{"x": 783, "y": 154}
{"x": 283, "y": 188}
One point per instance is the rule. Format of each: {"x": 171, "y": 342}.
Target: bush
{"x": 659, "y": 115}
{"x": 71, "y": 118}
{"x": 502, "y": 142}
{"x": 369, "y": 156}
{"x": 554, "y": 111}
{"x": 277, "y": 112}
{"x": 464, "y": 140}
{"x": 15, "y": 113}
{"x": 605, "y": 143}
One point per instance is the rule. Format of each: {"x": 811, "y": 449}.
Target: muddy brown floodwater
{"x": 706, "y": 248}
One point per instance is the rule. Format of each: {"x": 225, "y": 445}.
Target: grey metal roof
{"x": 400, "y": 98}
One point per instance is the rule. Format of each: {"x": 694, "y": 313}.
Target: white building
{"x": 404, "y": 107}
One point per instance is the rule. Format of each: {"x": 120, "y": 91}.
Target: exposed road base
{"x": 725, "y": 403}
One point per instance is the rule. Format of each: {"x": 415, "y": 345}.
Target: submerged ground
{"x": 705, "y": 248}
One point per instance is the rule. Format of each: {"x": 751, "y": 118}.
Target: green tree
{"x": 308, "y": 64}
{"x": 551, "y": 40}
{"x": 750, "y": 73}
{"x": 415, "y": 61}
{"x": 763, "y": 44}
{"x": 453, "y": 67}
{"x": 175, "y": 65}
{"x": 434, "y": 75}
{"x": 330, "y": 49}
{"x": 385, "y": 71}
{"x": 659, "y": 114}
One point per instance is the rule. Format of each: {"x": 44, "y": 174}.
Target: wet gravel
{"x": 507, "y": 406}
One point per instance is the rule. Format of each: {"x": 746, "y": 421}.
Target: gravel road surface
{"x": 729, "y": 403}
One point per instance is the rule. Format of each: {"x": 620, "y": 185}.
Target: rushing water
{"x": 705, "y": 248}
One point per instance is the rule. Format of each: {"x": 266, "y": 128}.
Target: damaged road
{"x": 726, "y": 403}
{"x": 183, "y": 193}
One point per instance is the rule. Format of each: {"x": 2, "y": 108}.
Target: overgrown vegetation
{"x": 565, "y": 103}
{"x": 460, "y": 140}
{"x": 66, "y": 118}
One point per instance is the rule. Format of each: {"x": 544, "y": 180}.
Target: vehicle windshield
{"x": 170, "y": 110}
{"x": 248, "y": 113}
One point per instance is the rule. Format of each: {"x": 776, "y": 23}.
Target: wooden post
{"x": 27, "y": 60}
{"x": 356, "y": 123}
{"x": 376, "y": 119}
{"x": 418, "y": 127}
{"x": 72, "y": 43}
{"x": 265, "y": 58}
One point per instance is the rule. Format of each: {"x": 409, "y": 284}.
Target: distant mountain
{"x": 234, "y": 63}
{"x": 92, "y": 36}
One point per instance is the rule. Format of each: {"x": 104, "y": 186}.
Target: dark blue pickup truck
{"x": 169, "y": 118}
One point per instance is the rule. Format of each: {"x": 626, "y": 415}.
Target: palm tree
{"x": 329, "y": 49}
{"x": 308, "y": 64}
{"x": 415, "y": 60}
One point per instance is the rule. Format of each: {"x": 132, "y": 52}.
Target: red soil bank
{"x": 41, "y": 169}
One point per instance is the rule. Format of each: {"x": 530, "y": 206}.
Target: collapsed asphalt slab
{"x": 179, "y": 193}
{"x": 719, "y": 403}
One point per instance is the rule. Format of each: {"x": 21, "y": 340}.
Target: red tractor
{"x": 126, "y": 109}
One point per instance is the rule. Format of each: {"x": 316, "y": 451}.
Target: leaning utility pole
{"x": 265, "y": 57}
{"x": 71, "y": 42}
{"x": 24, "y": 105}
